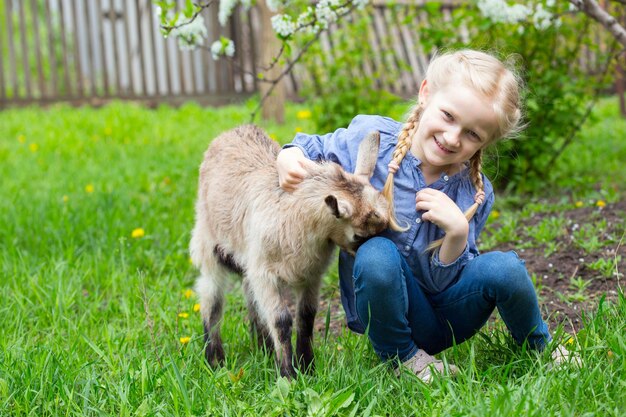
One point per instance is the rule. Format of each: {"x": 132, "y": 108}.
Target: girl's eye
{"x": 447, "y": 115}
{"x": 474, "y": 135}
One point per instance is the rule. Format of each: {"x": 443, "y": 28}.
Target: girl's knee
{"x": 504, "y": 269}
{"x": 377, "y": 263}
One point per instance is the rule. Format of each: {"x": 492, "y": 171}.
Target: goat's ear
{"x": 339, "y": 208}
{"x": 368, "y": 155}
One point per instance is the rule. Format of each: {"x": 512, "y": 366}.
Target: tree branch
{"x": 200, "y": 7}
{"x": 592, "y": 9}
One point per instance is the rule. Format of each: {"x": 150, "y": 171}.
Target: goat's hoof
{"x": 214, "y": 355}
{"x": 288, "y": 371}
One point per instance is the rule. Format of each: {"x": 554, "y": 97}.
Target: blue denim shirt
{"x": 341, "y": 147}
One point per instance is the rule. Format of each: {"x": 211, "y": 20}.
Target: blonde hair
{"x": 487, "y": 76}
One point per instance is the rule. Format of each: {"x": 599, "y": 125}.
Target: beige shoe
{"x": 561, "y": 356}
{"x": 423, "y": 365}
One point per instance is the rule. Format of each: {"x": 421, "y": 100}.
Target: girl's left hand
{"x": 441, "y": 210}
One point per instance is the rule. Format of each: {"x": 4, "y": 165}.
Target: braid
{"x": 475, "y": 167}
{"x": 402, "y": 147}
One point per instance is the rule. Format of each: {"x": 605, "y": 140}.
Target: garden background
{"x": 96, "y": 207}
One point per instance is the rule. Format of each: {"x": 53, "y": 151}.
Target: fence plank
{"x": 129, "y": 45}
{"x": 142, "y": 67}
{"x": 77, "y": 54}
{"x": 151, "y": 19}
{"x": 88, "y": 48}
{"x": 24, "y": 50}
{"x": 53, "y": 91}
{"x": 35, "y": 19}
{"x": 115, "y": 52}
{"x": 66, "y": 67}
{"x": 106, "y": 87}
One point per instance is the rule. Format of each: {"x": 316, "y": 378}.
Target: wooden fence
{"x": 91, "y": 51}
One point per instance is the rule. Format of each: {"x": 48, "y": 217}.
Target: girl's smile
{"x": 443, "y": 148}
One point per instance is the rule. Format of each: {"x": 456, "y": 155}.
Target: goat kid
{"x": 245, "y": 223}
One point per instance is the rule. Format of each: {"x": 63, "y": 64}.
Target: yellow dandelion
{"x": 304, "y": 114}
{"x": 184, "y": 340}
{"x": 600, "y": 203}
{"x": 33, "y": 147}
{"x": 196, "y": 308}
{"x": 494, "y": 214}
{"x": 66, "y": 199}
{"x": 21, "y": 139}
{"x": 89, "y": 188}
{"x": 188, "y": 293}
{"x": 578, "y": 204}
{"x": 138, "y": 233}
{"x": 570, "y": 341}
{"x": 190, "y": 260}
{"x": 108, "y": 131}
{"x": 273, "y": 136}
{"x": 183, "y": 315}
{"x": 298, "y": 129}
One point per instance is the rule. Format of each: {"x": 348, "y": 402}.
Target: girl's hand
{"x": 441, "y": 210}
{"x": 292, "y": 168}
{"x": 393, "y": 167}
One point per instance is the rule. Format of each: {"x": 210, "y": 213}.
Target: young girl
{"x": 422, "y": 286}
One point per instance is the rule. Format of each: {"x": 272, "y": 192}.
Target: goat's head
{"x": 361, "y": 210}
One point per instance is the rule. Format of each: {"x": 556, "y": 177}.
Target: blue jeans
{"x": 402, "y": 318}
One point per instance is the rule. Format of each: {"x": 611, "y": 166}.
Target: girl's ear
{"x": 423, "y": 94}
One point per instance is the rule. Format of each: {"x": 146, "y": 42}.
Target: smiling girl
{"x": 422, "y": 285}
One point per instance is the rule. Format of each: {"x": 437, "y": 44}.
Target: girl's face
{"x": 455, "y": 123}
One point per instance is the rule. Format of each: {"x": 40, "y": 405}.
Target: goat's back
{"x": 238, "y": 181}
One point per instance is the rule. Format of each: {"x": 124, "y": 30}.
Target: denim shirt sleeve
{"x": 444, "y": 274}
{"x": 342, "y": 145}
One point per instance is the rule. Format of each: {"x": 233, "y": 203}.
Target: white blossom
{"x": 325, "y": 13}
{"x": 224, "y": 46}
{"x": 500, "y": 12}
{"x": 542, "y": 19}
{"x": 190, "y": 33}
{"x": 283, "y": 25}
{"x": 225, "y": 10}
{"x": 306, "y": 18}
{"x": 276, "y": 5}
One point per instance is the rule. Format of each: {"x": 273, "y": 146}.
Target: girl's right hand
{"x": 292, "y": 168}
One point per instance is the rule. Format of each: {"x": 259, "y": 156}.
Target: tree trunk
{"x": 274, "y": 105}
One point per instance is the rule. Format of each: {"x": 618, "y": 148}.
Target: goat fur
{"x": 245, "y": 223}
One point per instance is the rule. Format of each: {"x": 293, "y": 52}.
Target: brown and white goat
{"x": 245, "y": 223}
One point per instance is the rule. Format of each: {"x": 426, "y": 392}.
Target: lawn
{"x": 98, "y": 317}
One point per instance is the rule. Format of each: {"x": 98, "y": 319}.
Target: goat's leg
{"x": 209, "y": 288}
{"x": 306, "y": 309}
{"x": 258, "y": 329}
{"x": 274, "y": 312}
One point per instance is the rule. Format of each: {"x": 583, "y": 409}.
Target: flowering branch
{"x": 190, "y": 31}
{"x": 592, "y": 9}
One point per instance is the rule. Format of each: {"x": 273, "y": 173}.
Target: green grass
{"x": 89, "y": 315}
